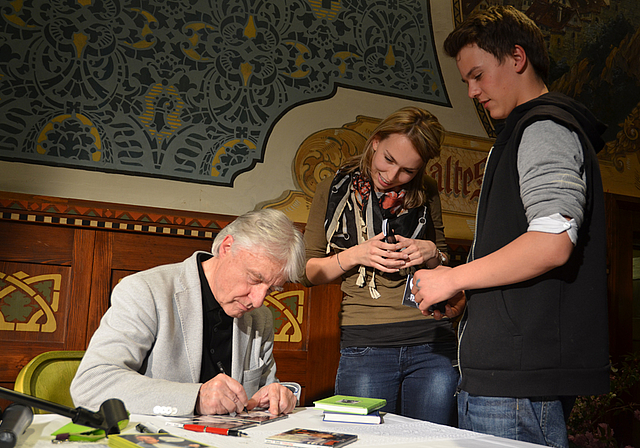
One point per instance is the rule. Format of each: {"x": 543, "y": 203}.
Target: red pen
{"x": 213, "y": 430}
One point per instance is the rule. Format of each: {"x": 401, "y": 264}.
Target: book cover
{"x": 308, "y": 437}
{"x": 152, "y": 441}
{"x": 348, "y": 404}
{"x": 373, "y": 418}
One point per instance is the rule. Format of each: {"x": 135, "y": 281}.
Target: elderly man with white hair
{"x": 173, "y": 331}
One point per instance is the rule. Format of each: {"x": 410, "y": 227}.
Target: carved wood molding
{"x": 109, "y": 216}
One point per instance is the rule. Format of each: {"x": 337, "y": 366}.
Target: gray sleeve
{"x": 551, "y": 172}
{"x": 119, "y": 348}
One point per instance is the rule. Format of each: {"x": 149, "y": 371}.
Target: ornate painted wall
{"x": 594, "y": 47}
{"x": 190, "y": 90}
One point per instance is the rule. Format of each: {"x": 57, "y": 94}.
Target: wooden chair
{"x": 48, "y": 376}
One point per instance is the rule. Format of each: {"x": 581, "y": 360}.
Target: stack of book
{"x": 344, "y": 408}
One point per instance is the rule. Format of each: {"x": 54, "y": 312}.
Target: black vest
{"x": 547, "y": 336}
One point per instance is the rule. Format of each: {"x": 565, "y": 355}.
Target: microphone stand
{"x": 111, "y": 411}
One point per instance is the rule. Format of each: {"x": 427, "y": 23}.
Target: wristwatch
{"x": 442, "y": 257}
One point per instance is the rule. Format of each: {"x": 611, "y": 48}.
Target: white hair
{"x": 270, "y": 232}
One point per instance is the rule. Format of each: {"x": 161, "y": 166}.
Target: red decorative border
{"x": 102, "y": 215}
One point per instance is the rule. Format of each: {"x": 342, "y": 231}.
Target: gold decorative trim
{"x": 19, "y": 286}
{"x": 108, "y": 216}
{"x": 288, "y": 310}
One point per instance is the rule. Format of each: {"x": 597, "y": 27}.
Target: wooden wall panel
{"x": 137, "y": 252}
{"x": 118, "y": 254}
{"x": 82, "y": 262}
{"x": 25, "y": 241}
{"x": 313, "y": 361}
{"x": 37, "y": 293}
{"x": 91, "y": 255}
{"x": 100, "y": 282}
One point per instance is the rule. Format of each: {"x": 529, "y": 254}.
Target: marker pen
{"x": 213, "y": 430}
{"x": 150, "y": 428}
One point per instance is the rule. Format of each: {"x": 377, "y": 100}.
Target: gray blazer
{"x": 147, "y": 350}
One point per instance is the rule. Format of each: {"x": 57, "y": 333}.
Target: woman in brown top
{"x": 388, "y": 349}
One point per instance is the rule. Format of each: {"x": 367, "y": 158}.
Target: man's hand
{"x": 453, "y": 308}
{"x": 430, "y": 286}
{"x": 274, "y": 396}
{"x": 221, "y": 395}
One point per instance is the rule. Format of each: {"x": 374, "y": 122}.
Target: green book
{"x": 350, "y": 405}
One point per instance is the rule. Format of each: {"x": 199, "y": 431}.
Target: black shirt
{"x": 217, "y": 330}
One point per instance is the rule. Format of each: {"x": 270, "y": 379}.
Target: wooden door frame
{"x": 621, "y": 220}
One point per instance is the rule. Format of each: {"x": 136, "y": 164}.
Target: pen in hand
{"x": 221, "y": 370}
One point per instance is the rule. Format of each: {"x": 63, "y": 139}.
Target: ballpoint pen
{"x": 150, "y": 428}
{"x": 221, "y": 369}
{"x": 213, "y": 430}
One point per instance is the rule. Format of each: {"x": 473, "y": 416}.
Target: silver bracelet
{"x": 340, "y": 264}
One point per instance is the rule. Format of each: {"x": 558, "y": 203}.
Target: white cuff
{"x": 555, "y": 223}
{"x": 293, "y": 387}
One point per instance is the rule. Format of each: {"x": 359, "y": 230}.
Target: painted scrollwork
{"x": 192, "y": 90}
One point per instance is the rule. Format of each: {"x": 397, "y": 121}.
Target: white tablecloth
{"x": 396, "y": 431}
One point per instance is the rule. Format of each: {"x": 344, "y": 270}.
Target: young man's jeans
{"x": 417, "y": 381}
{"x": 536, "y": 420}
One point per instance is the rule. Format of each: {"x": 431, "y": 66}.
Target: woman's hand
{"x": 374, "y": 253}
{"x": 418, "y": 252}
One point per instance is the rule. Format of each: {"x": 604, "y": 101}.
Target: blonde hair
{"x": 425, "y": 133}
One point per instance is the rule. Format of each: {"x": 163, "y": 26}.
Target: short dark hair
{"x": 497, "y": 30}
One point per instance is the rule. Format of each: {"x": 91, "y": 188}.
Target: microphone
{"x": 15, "y": 421}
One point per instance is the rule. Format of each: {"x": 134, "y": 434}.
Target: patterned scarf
{"x": 352, "y": 217}
{"x": 390, "y": 203}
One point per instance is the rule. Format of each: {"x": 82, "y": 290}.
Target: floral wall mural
{"x": 190, "y": 90}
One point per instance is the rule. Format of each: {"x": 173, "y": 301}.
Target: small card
{"x": 408, "y": 298}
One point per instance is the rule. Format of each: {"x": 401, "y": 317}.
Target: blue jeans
{"x": 534, "y": 420}
{"x": 417, "y": 381}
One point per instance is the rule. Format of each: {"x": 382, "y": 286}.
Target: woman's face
{"x": 395, "y": 163}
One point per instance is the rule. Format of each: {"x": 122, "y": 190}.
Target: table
{"x": 396, "y": 431}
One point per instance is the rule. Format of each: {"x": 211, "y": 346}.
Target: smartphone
{"x": 440, "y": 306}
{"x": 389, "y": 237}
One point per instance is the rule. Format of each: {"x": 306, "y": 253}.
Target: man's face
{"x": 493, "y": 84}
{"x": 244, "y": 278}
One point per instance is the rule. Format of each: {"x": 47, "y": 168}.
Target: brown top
{"x": 358, "y": 307}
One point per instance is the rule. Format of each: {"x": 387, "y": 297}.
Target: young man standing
{"x": 534, "y": 335}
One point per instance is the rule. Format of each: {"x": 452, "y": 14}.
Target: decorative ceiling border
{"x": 108, "y": 216}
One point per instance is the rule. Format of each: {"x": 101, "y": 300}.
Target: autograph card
{"x": 409, "y": 299}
